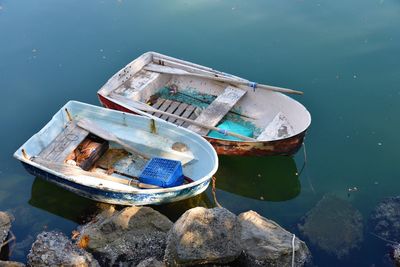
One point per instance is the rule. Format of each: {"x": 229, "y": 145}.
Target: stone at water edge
{"x": 334, "y": 225}
{"x": 203, "y": 236}
{"x": 265, "y": 243}
{"x": 396, "y": 254}
{"x": 150, "y": 262}
{"x": 11, "y": 264}
{"x": 385, "y": 219}
{"x": 55, "y": 249}
{"x": 126, "y": 237}
{"x": 5, "y": 225}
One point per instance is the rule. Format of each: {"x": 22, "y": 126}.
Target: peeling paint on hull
{"x": 284, "y": 147}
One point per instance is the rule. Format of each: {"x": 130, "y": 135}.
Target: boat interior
{"x": 112, "y": 151}
{"x": 166, "y": 84}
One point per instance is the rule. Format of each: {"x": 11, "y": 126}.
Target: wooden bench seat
{"x": 142, "y": 85}
{"x": 214, "y": 113}
{"x": 278, "y": 128}
{"x": 64, "y": 143}
{"x": 177, "y": 108}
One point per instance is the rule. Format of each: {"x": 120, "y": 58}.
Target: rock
{"x": 265, "y": 243}
{"x": 5, "y": 225}
{"x": 55, "y": 249}
{"x": 126, "y": 237}
{"x": 203, "y": 236}
{"x": 385, "y": 219}
{"x": 11, "y": 264}
{"x": 396, "y": 254}
{"x": 334, "y": 226}
{"x": 151, "y": 262}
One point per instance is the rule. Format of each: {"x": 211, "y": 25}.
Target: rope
{"x": 214, "y": 179}
{"x": 384, "y": 239}
{"x": 253, "y": 85}
{"x": 294, "y": 236}
{"x": 303, "y": 168}
{"x": 222, "y": 131}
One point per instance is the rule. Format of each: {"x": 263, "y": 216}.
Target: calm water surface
{"x": 343, "y": 54}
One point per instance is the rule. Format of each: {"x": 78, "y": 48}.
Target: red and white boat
{"x": 272, "y": 122}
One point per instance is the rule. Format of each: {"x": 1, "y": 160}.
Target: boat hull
{"x": 284, "y": 147}
{"x": 119, "y": 198}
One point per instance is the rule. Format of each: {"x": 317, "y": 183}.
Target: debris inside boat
{"x": 119, "y": 158}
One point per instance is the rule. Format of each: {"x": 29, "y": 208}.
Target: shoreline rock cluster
{"x": 141, "y": 236}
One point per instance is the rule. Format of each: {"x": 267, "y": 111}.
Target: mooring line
{"x": 303, "y": 168}
{"x": 214, "y": 179}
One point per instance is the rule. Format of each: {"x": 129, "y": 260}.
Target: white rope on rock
{"x": 294, "y": 236}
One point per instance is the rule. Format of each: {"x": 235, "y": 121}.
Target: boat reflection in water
{"x": 262, "y": 178}
{"x": 56, "y": 200}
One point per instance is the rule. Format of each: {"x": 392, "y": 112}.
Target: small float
{"x": 119, "y": 158}
{"x": 236, "y": 116}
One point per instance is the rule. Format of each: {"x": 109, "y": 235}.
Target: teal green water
{"x": 343, "y": 54}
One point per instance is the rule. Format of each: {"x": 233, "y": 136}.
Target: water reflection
{"x": 175, "y": 209}
{"x": 56, "y": 200}
{"x": 262, "y": 178}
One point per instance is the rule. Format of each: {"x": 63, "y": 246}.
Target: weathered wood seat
{"x": 278, "y": 128}
{"x": 218, "y": 109}
{"x": 64, "y": 143}
{"x": 142, "y": 85}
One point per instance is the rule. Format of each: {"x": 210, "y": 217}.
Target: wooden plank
{"x": 163, "y": 107}
{"x": 181, "y": 108}
{"x": 171, "y": 109}
{"x": 157, "y": 105}
{"x": 278, "y": 128}
{"x": 192, "y": 116}
{"x": 64, "y": 143}
{"x": 69, "y": 170}
{"x": 190, "y": 67}
{"x": 189, "y": 110}
{"x": 218, "y": 109}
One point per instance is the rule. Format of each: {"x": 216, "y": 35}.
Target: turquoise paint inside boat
{"x": 231, "y": 127}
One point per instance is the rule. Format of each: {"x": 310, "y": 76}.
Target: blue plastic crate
{"x": 162, "y": 172}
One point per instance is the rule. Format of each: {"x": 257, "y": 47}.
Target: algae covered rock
{"x": 333, "y": 225}
{"x": 126, "y": 237}
{"x": 5, "y": 225}
{"x": 203, "y": 236}
{"x": 265, "y": 243}
{"x": 385, "y": 219}
{"x": 55, "y": 249}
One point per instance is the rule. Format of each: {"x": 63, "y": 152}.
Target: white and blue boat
{"x": 46, "y": 154}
